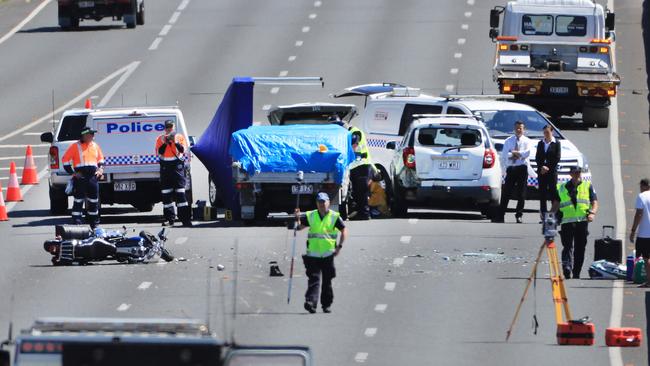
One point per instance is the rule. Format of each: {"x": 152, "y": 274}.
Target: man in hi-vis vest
{"x": 84, "y": 160}
{"x": 170, "y": 147}
{"x": 576, "y": 204}
{"x": 360, "y": 172}
{"x": 324, "y": 225}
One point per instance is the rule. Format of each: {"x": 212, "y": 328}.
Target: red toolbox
{"x": 623, "y": 337}
{"x": 576, "y": 333}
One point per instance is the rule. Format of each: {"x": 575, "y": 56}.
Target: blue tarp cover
{"x": 293, "y": 148}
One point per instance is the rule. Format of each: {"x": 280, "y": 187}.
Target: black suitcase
{"x": 607, "y": 248}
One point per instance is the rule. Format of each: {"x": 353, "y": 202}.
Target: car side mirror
{"x": 192, "y": 140}
{"x": 47, "y": 137}
{"x": 494, "y": 18}
{"x": 391, "y": 145}
{"x": 494, "y": 33}
{"x": 610, "y": 21}
{"x": 263, "y": 356}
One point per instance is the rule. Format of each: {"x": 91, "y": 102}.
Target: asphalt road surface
{"x": 436, "y": 288}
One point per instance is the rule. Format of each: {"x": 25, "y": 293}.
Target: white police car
{"x": 127, "y": 137}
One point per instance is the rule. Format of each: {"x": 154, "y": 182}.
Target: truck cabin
{"x": 554, "y": 35}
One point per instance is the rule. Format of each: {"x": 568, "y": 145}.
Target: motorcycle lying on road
{"x": 82, "y": 245}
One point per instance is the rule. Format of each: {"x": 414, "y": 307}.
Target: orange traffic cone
{"x": 30, "y": 176}
{"x": 3, "y": 208}
{"x": 13, "y": 189}
{"x": 89, "y": 104}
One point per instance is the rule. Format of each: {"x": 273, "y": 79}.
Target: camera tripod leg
{"x": 560, "y": 299}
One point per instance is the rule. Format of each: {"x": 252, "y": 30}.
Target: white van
{"x": 127, "y": 137}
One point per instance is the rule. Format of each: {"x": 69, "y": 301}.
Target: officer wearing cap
{"x": 576, "y": 204}
{"x": 324, "y": 225}
{"x": 171, "y": 147}
{"x": 84, "y": 160}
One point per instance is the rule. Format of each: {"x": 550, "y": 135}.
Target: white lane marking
{"x": 453, "y": 71}
{"x": 155, "y": 43}
{"x": 123, "y": 307}
{"x": 41, "y": 174}
{"x": 405, "y": 239}
{"x": 299, "y": 43}
{"x": 23, "y": 145}
{"x": 398, "y": 261}
{"x": 461, "y": 41}
{"x": 4, "y": 178}
{"x": 248, "y": 305}
{"x": 370, "y": 332}
{"x": 21, "y": 157}
{"x": 381, "y": 308}
{"x": 165, "y": 30}
{"x": 4, "y": 168}
{"x": 144, "y": 285}
{"x": 29, "y": 17}
{"x": 313, "y": 16}
{"x": 35, "y": 133}
{"x": 450, "y": 87}
{"x": 183, "y": 5}
{"x": 118, "y": 84}
{"x": 470, "y": 2}
{"x": 464, "y": 26}
{"x": 305, "y": 29}
{"x": 361, "y": 357}
{"x": 266, "y": 107}
{"x": 180, "y": 240}
{"x": 458, "y": 55}
{"x": 317, "y": 4}
{"x": 468, "y": 14}
{"x": 291, "y": 58}
{"x": 174, "y": 17}
{"x": 413, "y": 221}
{"x": 389, "y": 286}
{"x": 48, "y": 117}
{"x": 283, "y": 73}
{"x": 275, "y": 90}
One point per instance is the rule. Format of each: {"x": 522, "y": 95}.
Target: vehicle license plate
{"x": 559, "y": 90}
{"x": 86, "y": 4}
{"x": 124, "y": 186}
{"x": 302, "y": 189}
{"x": 449, "y": 164}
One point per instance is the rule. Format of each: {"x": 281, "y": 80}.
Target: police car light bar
{"x": 477, "y": 96}
{"x": 405, "y": 92}
{"x": 291, "y": 81}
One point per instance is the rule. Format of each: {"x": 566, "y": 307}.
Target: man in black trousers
{"x": 514, "y": 160}
{"x": 547, "y": 157}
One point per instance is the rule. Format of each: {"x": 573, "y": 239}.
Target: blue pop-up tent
{"x": 234, "y": 113}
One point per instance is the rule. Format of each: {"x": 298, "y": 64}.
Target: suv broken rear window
{"x": 449, "y": 137}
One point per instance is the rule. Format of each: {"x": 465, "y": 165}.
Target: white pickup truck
{"x": 127, "y": 137}
{"x": 557, "y": 56}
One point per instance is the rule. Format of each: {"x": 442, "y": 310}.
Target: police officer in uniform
{"x": 360, "y": 172}
{"x": 576, "y": 204}
{"x": 84, "y": 160}
{"x": 171, "y": 147}
{"x": 324, "y": 225}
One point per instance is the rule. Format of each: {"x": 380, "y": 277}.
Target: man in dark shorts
{"x": 642, "y": 223}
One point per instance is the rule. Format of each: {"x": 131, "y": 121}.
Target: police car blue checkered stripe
{"x": 377, "y": 142}
{"x": 131, "y": 160}
{"x": 532, "y": 182}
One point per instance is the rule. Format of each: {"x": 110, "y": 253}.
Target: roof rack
{"x": 171, "y": 326}
{"x": 477, "y": 96}
{"x": 444, "y": 116}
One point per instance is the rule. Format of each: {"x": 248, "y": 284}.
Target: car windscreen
{"x": 71, "y": 128}
{"x": 448, "y": 136}
{"x": 571, "y": 26}
{"x": 501, "y": 124}
{"x": 537, "y": 25}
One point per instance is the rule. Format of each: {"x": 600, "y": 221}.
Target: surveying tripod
{"x": 557, "y": 279}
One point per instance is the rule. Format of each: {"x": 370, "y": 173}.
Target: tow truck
{"x": 557, "y": 56}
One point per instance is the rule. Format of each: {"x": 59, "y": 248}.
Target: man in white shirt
{"x": 514, "y": 159}
{"x": 642, "y": 223}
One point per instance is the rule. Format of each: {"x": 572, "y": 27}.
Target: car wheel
{"x": 213, "y": 193}
{"x": 399, "y": 207}
{"x": 74, "y": 23}
{"x": 140, "y": 15}
{"x": 58, "y": 202}
{"x": 131, "y": 18}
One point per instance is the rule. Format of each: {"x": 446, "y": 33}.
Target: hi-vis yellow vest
{"x": 321, "y": 239}
{"x": 579, "y": 212}
{"x": 362, "y": 148}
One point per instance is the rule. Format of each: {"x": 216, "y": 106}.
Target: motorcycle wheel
{"x": 166, "y": 255}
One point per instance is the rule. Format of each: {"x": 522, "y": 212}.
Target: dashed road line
{"x": 183, "y": 5}
{"x": 165, "y": 30}
{"x": 461, "y": 41}
{"x": 413, "y": 221}
{"x": 174, "y": 17}
{"x": 458, "y": 55}
{"x": 405, "y": 239}
{"x": 318, "y": 4}
{"x": 389, "y": 286}
{"x": 305, "y": 29}
{"x": 361, "y": 357}
{"x": 381, "y": 308}
{"x": 266, "y": 107}
{"x": 468, "y": 14}
{"x": 464, "y": 26}
{"x": 370, "y": 332}
{"x": 453, "y": 71}
{"x": 398, "y": 261}
{"x": 155, "y": 43}
{"x": 181, "y": 240}
{"x": 144, "y": 285}
{"x": 283, "y": 73}
{"x": 35, "y": 133}
{"x": 470, "y": 2}
{"x": 313, "y": 16}
{"x": 123, "y": 307}
{"x": 275, "y": 90}
{"x": 450, "y": 87}
{"x": 291, "y": 58}
{"x": 299, "y": 43}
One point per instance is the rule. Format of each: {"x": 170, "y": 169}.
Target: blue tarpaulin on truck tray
{"x": 310, "y": 148}
{"x": 234, "y": 113}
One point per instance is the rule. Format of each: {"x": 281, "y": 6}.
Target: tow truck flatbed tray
{"x": 558, "y": 75}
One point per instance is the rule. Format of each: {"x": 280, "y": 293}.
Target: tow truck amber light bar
{"x": 596, "y": 89}
{"x": 513, "y": 47}
{"x": 507, "y": 38}
{"x": 601, "y": 41}
{"x": 528, "y": 87}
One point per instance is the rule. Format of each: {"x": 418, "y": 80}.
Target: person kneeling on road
{"x": 84, "y": 160}
{"x": 171, "y": 147}
{"x": 324, "y": 225}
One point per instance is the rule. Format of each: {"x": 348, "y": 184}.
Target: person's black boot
{"x": 310, "y": 307}
{"x": 567, "y": 273}
{"x": 327, "y": 309}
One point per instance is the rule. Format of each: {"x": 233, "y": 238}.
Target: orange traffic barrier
{"x": 3, "y": 208}
{"x": 30, "y": 176}
{"x": 13, "y": 189}
{"x": 89, "y": 104}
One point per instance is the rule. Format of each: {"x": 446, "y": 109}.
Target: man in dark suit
{"x": 547, "y": 157}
